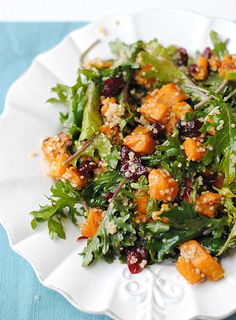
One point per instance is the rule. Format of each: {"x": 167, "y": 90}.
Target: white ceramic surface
{"x": 158, "y": 292}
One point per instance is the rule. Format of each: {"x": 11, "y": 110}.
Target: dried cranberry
{"x": 81, "y": 238}
{"x": 130, "y": 165}
{"x": 190, "y": 128}
{"x": 135, "y": 257}
{"x": 108, "y": 196}
{"x": 186, "y": 190}
{"x": 183, "y": 56}
{"x": 157, "y": 131}
{"x": 193, "y": 69}
{"x": 112, "y": 86}
{"x": 209, "y": 177}
{"x": 207, "y": 53}
{"x": 86, "y": 167}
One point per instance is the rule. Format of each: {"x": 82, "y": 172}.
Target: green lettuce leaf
{"x": 92, "y": 120}
{"x": 100, "y": 146}
{"x": 220, "y": 46}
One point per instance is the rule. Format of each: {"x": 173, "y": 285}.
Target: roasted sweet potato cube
{"x": 155, "y": 111}
{"x": 193, "y": 149}
{"x": 208, "y": 203}
{"x": 162, "y": 186}
{"x": 52, "y": 146}
{"x": 180, "y": 109}
{"x": 76, "y": 179}
{"x": 57, "y": 166}
{"x": 94, "y": 219}
{"x": 188, "y": 271}
{"x": 202, "y": 70}
{"x": 201, "y": 259}
{"x": 140, "y": 141}
{"x": 170, "y": 94}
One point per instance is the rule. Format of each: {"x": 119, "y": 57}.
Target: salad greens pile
{"x": 102, "y": 171}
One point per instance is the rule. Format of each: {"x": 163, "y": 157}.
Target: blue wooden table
{"x": 22, "y": 297}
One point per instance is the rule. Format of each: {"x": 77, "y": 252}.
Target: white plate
{"x": 158, "y": 292}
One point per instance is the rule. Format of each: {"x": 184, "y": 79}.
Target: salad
{"x": 145, "y": 162}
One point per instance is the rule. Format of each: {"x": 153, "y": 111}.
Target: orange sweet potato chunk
{"x": 214, "y": 62}
{"x": 52, "y": 146}
{"x": 141, "y": 204}
{"x": 187, "y": 270}
{"x": 193, "y": 149}
{"x": 180, "y": 109}
{"x": 162, "y": 186}
{"x": 170, "y": 94}
{"x": 141, "y": 208}
{"x": 94, "y": 219}
{"x": 155, "y": 111}
{"x": 202, "y": 72}
{"x": 140, "y": 141}
{"x": 57, "y": 167}
{"x": 178, "y": 112}
{"x": 112, "y": 133}
{"x": 201, "y": 260}
{"x": 208, "y": 203}
{"x": 228, "y": 64}
{"x": 74, "y": 177}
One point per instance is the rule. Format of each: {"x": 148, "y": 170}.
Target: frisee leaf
{"x": 230, "y": 209}
{"x": 99, "y": 245}
{"x": 95, "y": 192}
{"x": 141, "y": 184}
{"x": 170, "y": 156}
{"x": 223, "y": 143}
{"x": 64, "y": 199}
{"x": 182, "y": 224}
{"x": 113, "y": 158}
{"x": 74, "y": 98}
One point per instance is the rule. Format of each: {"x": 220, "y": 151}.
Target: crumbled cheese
{"x": 111, "y": 227}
